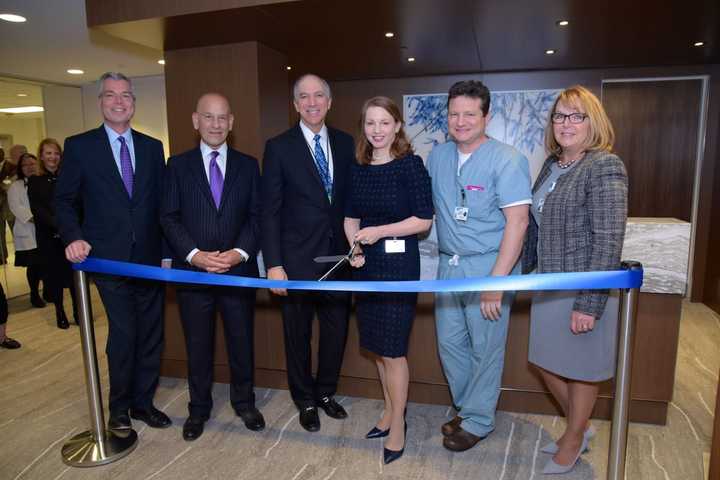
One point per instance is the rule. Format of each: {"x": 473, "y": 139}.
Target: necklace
{"x": 567, "y": 164}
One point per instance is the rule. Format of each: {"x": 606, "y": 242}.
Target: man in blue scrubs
{"x": 481, "y": 192}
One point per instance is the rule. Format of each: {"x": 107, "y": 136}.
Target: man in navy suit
{"x": 306, "y": 174}
{"x": 210, "y": 215}
{"x": 107, "y": 201}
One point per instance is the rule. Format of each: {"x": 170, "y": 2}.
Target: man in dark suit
{"x": 305, "y": 176}
{"x": 210, "y": 215}
{"x": 107, "y": 202}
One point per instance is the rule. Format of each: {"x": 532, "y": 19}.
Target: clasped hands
{"x": 216, "y": 262}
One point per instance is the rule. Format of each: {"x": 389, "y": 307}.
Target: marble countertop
{"x": 662, "y": 245}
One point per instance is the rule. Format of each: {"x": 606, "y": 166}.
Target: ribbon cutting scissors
{"x": 339, "y": 259}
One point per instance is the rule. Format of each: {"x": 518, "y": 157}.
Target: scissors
{"x": 339, "y": 259}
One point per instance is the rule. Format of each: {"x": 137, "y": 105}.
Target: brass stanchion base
{"x": 84, "y": 451}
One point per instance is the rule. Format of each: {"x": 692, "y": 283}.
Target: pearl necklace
{"x": 568, "y": 164}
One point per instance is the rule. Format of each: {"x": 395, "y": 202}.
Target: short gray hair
{"x": 113, "y": 76}
{"x": 325, "y": 85}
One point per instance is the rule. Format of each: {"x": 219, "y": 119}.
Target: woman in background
{"x": 578, "y": 220}
{"x": 41, "y": 191}
{"x": 26, "y": 251}
{"x": 390, "y": 204}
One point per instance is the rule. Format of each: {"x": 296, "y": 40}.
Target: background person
{"x": 579, "y": 212}
{"x": 390, "y": 202}
{"x": 41, "y": 193}
{"x": 26, "y": 251}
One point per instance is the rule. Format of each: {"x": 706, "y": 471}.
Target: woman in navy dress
{"x": 390, "y": 204}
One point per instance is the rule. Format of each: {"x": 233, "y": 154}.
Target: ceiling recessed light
{"x": 562, "y": 23}
{"x": 10, "y": 17}
{"x": 550, "y": 51}
{"x": 389, "y": 34}
{"x": 161, "y": 61}
{"x": 288, "y": 68}
{"x": 75, "y": 71}
{"x": 699, "y": 44}
{"x": 22, "y": 95}
{"x": 411, "y": 59}
{"x": 21, "y": 110}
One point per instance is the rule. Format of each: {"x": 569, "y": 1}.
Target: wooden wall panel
{"x": 656, "y": 126}
{"x": 251, "y": 75}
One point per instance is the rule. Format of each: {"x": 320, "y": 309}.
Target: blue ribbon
{"x": 542, "y": 281}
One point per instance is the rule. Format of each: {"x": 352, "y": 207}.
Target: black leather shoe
{"x": 62, "y": 322}
{"x": 10, "y": 343}
{"x": 377, "y": 433}
{"x": 152, "y": 416}
{"x": 332, "y": 408}
{"x": 309, "y": 419}
{"x": 390, "y": 456}
{"x": 252, "y": 418}
{"x": 119, "y": 421}
{"x": 193, "y": 428}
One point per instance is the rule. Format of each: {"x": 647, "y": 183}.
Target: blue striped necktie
{"x": 322, "y": 166}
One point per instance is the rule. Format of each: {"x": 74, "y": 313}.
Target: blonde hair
{"x": 601, "y": 135}
{"x": 48, "y": 141}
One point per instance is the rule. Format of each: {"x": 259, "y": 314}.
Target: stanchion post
{"x": 621, "y": 404}
{"x": 96, "y": 446}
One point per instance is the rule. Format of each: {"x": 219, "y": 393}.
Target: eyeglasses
{"x": 573, "y": 117}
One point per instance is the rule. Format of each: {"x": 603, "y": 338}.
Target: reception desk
{"x": 654, "y": 358}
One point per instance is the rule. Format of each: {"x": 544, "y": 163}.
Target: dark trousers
{"x": 198, "y": 311}
{"x": 135, "y": 339}
{"x": 298, "y": 311}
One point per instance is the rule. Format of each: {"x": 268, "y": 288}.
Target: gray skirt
{"x": 587, "y": 356}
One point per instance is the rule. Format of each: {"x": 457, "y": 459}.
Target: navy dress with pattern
{"x": 379, "y": 195}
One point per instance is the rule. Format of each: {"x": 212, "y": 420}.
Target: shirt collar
{"x": 205, "y": 149}
{"x": 310, "y": 135}
{"x": 113, "y": 135}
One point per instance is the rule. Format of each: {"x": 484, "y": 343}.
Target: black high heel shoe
{"x": 390, "y": 456}
{"x": 377, "y": 433}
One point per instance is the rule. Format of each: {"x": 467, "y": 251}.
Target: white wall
{"x": 150, "y": 108}
{"x": 26, "y": 129}
{"x": 63, "y": 111}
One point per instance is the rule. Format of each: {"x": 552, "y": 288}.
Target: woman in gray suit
{"x": 578, "y": 220}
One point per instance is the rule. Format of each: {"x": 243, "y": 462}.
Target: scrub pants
{"x": 472, "y": 348}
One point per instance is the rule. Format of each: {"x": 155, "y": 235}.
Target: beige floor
{"x": 42, "y": 403}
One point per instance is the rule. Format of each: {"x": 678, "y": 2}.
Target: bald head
{"x": 213, "y": 119}
{"x": 16, "y": 151}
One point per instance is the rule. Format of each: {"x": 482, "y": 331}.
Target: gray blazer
{"x": 583, "y": 224}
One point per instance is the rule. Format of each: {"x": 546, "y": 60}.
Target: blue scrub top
{"x": 495, "y": 176}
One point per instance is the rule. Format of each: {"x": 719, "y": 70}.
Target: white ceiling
{"x": 55, "y": 38}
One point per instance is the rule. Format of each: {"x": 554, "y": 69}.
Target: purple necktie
{"x": 126, "y": 168}
{"x": 216, "y": 178}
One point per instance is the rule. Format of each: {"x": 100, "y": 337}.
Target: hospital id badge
{"x": 394, "y": 246}
{"x": 461, "y": 214}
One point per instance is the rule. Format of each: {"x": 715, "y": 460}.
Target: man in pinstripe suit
{"x": 210, "y": 215}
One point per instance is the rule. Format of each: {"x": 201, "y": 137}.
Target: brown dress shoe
{"x": 452, "y": 426}
{"x": 461, "y": 440}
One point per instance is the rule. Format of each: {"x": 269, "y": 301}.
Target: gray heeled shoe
{"x": 552, "y": 447}
{"x": 552, "y": 468}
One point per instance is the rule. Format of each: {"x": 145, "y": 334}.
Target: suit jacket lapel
{"x": 337, "y": 170}
{"x": 232, "y": 174}
{"x": 308, "y": 162}
{"x": 108, "y": 162}
{"x": 142, "y": 165}
{"x": 197, "y": 167}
